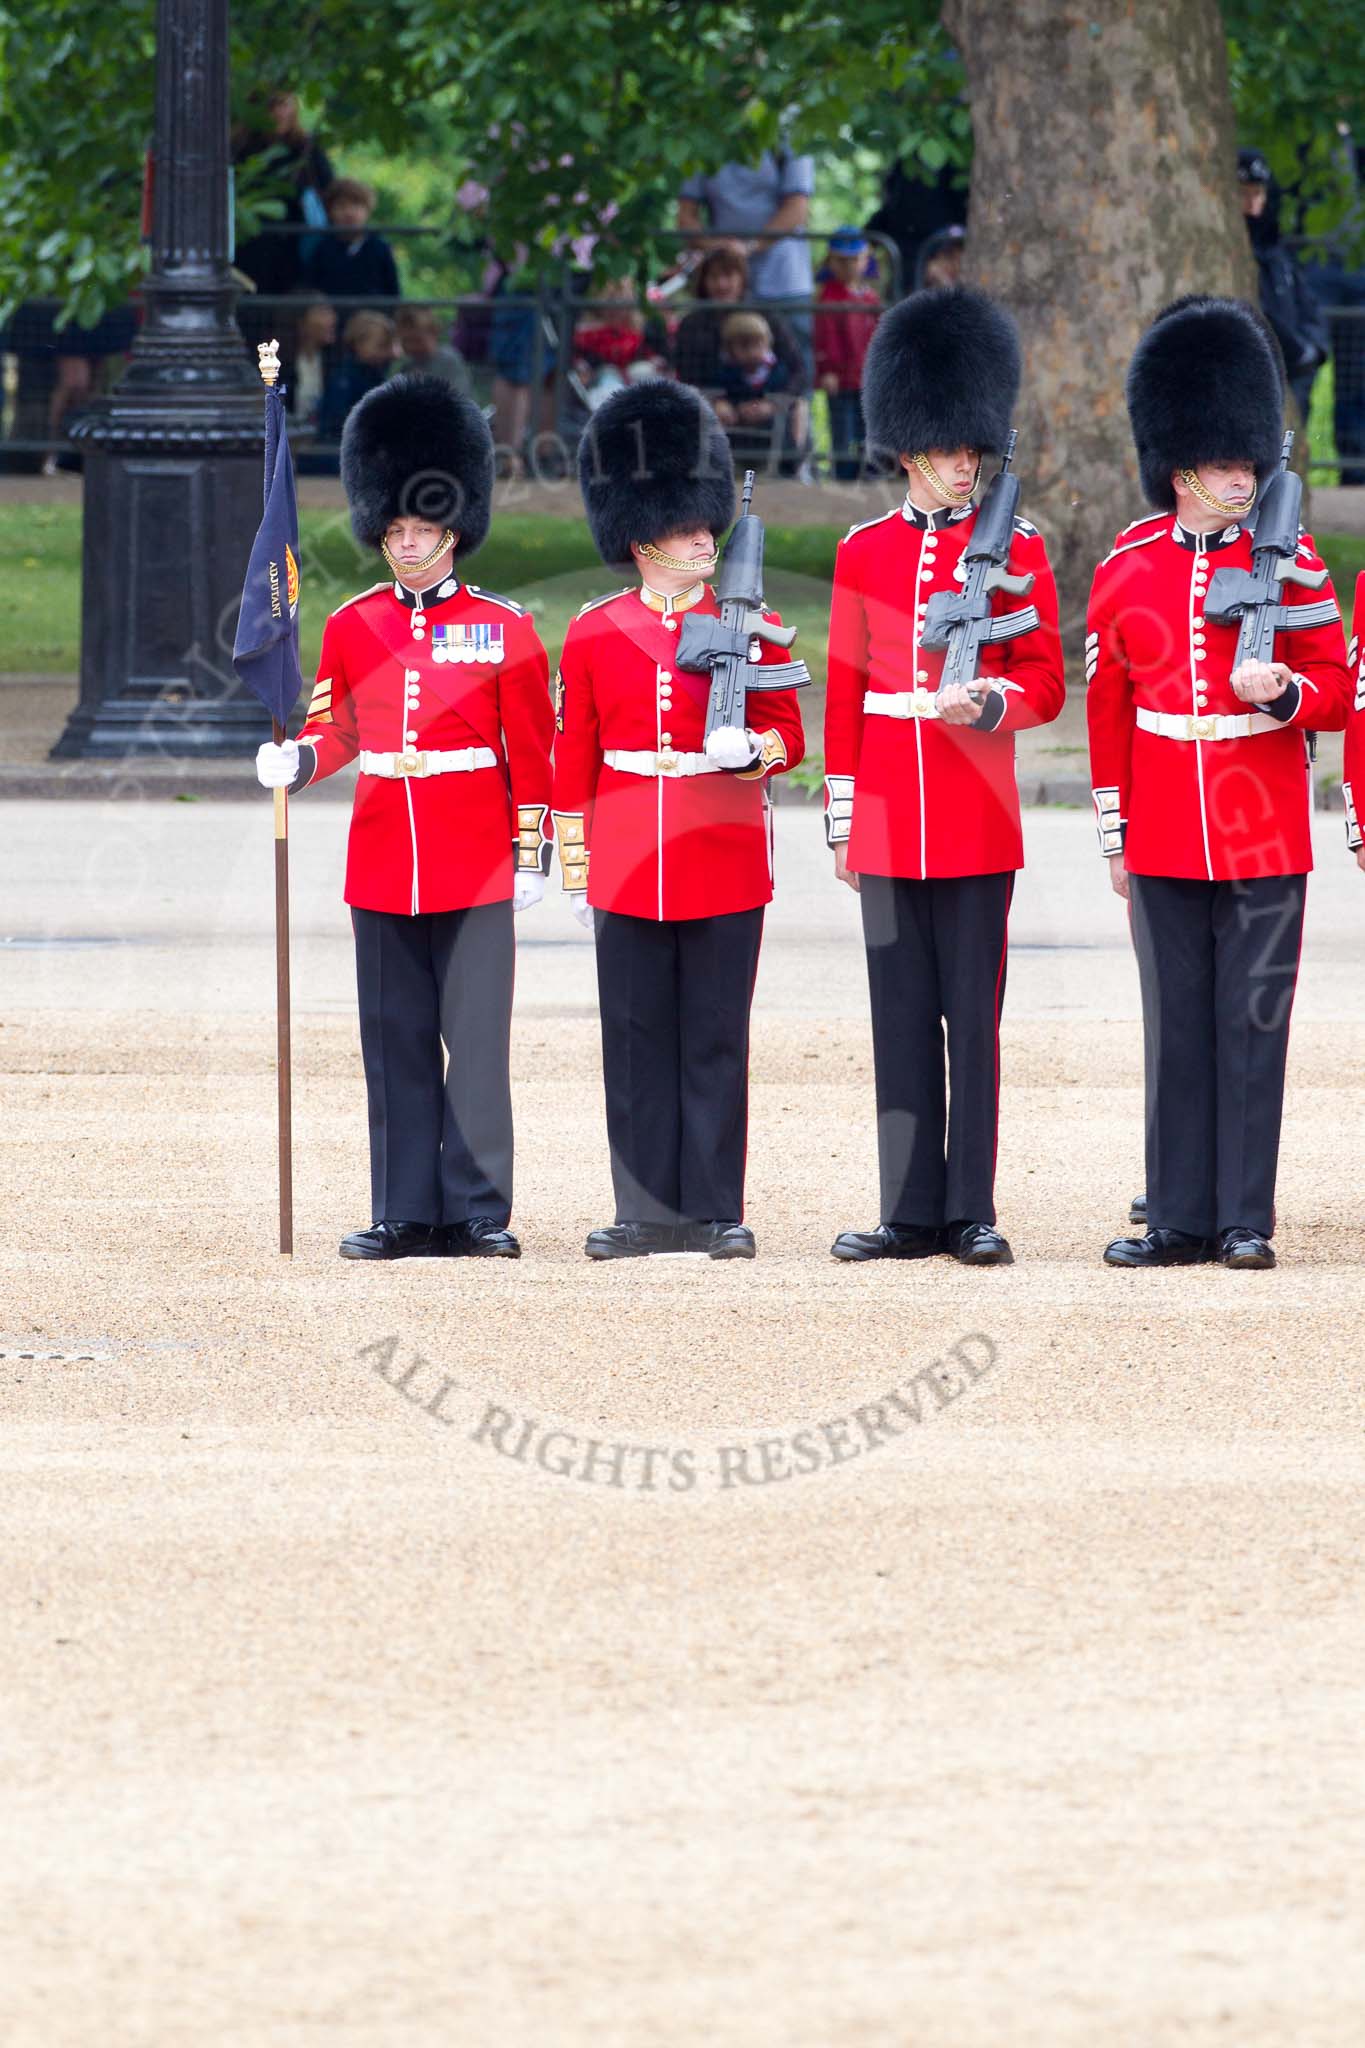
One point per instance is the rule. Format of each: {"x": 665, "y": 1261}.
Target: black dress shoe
{"x": 393, "y": 1241}
{"x": 889, "y": 1241}
{"x": 1246, "y": 1251}
{"x": 480, "y": 1238}
{"x": 722, "y": 1240}
{"x": 977, "y": 1244}
{"x": 1137, "y": 1209}
{"x": 633, "y": 1240}
{"x": 1160, "y": 1248}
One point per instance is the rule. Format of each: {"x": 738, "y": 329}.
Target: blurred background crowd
{"x": 743, "y": 295}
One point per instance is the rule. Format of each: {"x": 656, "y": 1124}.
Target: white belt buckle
{"x": 666, "y": 764}
{"x": 1200, "y": 728}
{"x": 409, "y": 764}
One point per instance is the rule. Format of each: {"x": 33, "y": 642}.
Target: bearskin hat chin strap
{"x": 677, "y": 562}
{"x": 945, "y": 490}
{"x": 1230, "y": 508}
{"x": 400, "y": 569}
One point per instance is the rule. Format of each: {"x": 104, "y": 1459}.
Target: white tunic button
{"x": 419, "y": 632}
{"x": 665, "y": 675}
{"x": 409, "y": 736}
{"x": 926, "y": 575}
{"x": 921, "y": 675}
{"x": 670, "y": 625}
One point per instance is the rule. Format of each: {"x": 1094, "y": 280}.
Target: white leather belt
{"x": 901, "y": 704}
{"x": 631, "y": 761}
{"x": 397, "y": 767}
{"x": 1176, "y": 725}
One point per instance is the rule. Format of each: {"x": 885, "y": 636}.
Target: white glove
{"x": 582, "y": 910}
{"x": 276, "y": 767}
{"x": 731, "y": 747}
{"x": 527, "y": 889}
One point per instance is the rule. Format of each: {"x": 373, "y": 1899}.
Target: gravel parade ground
{"x": 782, "y": 1655}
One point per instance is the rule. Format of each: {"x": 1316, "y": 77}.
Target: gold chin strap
{"x": 676, "y": 562}
{"x": 1228, "y": 509}
{"x": 936, "y": 483}
{"x": 402, "y": 569}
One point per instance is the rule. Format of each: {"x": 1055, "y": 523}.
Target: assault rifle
{"x": 963, "y": 621}
{"x": 728, "y": 646}
{"x": 1253, "y": 599}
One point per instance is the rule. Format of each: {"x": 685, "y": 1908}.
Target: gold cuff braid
{"x": 772, "y": 753}
{"x": 533, "y": 844}
{"x": 573, "y": 851}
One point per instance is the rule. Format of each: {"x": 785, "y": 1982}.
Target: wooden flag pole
{"x": 268, "y": 354}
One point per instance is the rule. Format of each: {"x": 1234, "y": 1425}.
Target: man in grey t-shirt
{"x": 769, "y": 197}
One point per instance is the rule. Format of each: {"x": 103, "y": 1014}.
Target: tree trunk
{"x": 1103, "y": 186}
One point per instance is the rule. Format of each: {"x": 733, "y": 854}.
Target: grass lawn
{"x": 547, "y": 563}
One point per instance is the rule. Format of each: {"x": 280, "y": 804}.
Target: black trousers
{"x": 1218, "y": 962}
{"x": 440, "y": 1136}
{"x": 675, "y": 1000}
{"x": 936, "y": 956}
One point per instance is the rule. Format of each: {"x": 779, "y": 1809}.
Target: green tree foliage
{"x": 570, "y": 112}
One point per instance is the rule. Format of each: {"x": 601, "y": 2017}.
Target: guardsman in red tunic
{"x": 921, "y": 806}
{"x": 665, "y": 837}
{"x": 441, "y": 691}
{"x": 1353, "y": 768}
{"x": 1201, "y": 784}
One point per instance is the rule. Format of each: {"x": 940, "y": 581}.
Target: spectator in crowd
{"x": 722, "y": 279}
{"x": 305, "y": 375}
{"x": 914, "y": 207}
{"x": 351, "y": 263}
{"x": 520, "y": 334}
{"x": 940, "y": 258}
{"x": 766, "y": 208}
{"x": 79, "y": 357}
{"x": 841, "y": 343}
{"x": 369, "y": 343}
{"x": 421, "y": 348}
{"x": 1286, "y": 299}
{"x": 614, "y": 344}
{"x": 274, "y": 262}
{"x": 753, "y": 402}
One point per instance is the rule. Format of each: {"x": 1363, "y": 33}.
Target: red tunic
{"x": 394, "y": 679}
{"x": 1353, "y": 767}
{"x": 659, "y": 847}
{"x": 1208, "y": 810}
{"x": 928, "y": 799}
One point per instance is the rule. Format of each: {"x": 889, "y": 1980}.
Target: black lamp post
{"x": 173, "y": 455}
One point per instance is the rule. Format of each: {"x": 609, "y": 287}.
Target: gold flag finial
{"x": 268, "y": 355}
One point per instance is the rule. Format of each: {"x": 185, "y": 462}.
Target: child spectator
{"x": 351, "y": 263}
{"x": 940, "y": 259}
{"x": 421, "y": 346}
{"x": 369, "y": 344}
{"x": 614, "y": 345}
{"x": 751, "y": 379}
{"x": 315, "y": 332}
{"x": 841, "y": 343}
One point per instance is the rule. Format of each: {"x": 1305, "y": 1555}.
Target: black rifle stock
{"x": 724, "y": 646}
{"x": 963, "y": 622}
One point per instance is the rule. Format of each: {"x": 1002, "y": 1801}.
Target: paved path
{"x": 557, "y": 1655}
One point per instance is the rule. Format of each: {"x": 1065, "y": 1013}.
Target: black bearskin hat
{"x": 942, "y": 372}
{"x": 653, "y": 460}
{"x": 1204, "y": 386}
{"x": 415, "y": 449}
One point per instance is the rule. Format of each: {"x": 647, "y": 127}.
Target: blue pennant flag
{"x": 265, "y": 653}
